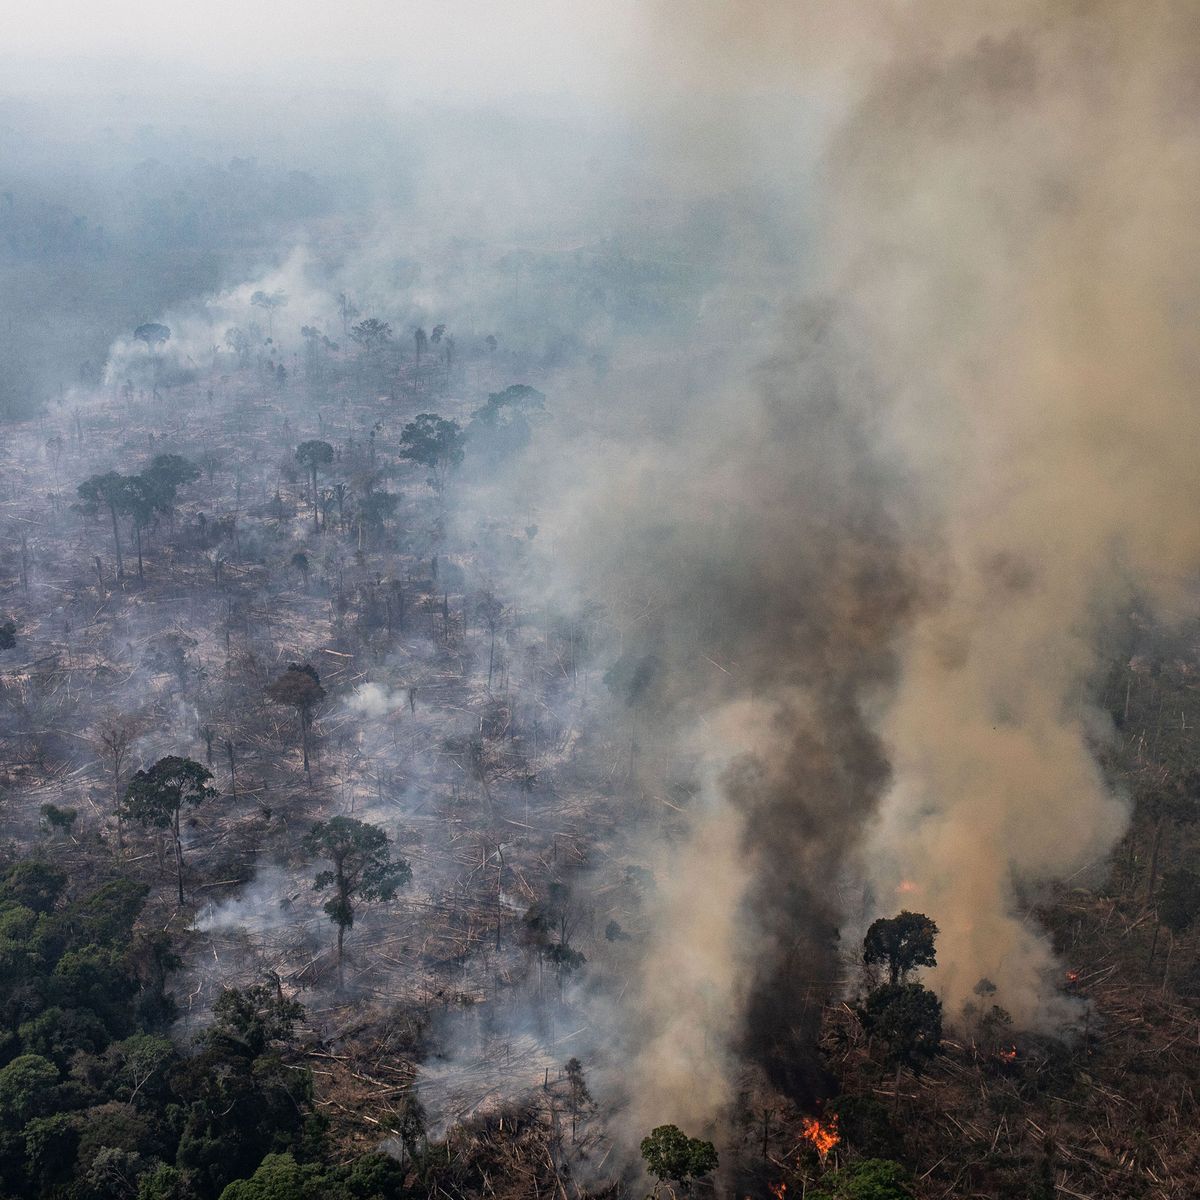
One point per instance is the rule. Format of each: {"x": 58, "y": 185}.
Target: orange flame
{"x": 1009, "y": 1055}
{"x": 1072, "y": 976}
{"x": 906, "y": 887}
{"x": 778, "y": 1190}
{"x": 824, "y": 1136}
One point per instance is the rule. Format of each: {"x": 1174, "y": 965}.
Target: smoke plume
{"x": 868, "y": 580}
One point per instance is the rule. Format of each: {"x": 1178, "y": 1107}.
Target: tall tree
{"x": 156, "y": 798}
{"x": 670, "y": 1154}
{"x": 108, "y": 491}
{"x": 363, "y": 871}
{"x": 313, "y": 455}
{"x": 904, "y": 942}
{"x": 299, "y": 687}
{"x": 433, "y": 442}
{"x": 269, "y": 302}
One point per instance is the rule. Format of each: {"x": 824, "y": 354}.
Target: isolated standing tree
{"x": 363, "y": 871}
{"x": 420, "y": 340}
{"x": 433, "y": 442}
{"x": 153, "y": 334}
{"x": 904, "y": 942}
{"x": 670, "y": 1154}
{"x": 299, "y": 687}
{"x": 142, "y": 500}
{"x": 109, "y": 491}
{"x": 116, "y": 742}
{"x": 269, "y": 302}
{"x": 155, "y": 798}
{"x": 491, "y": 612}
{"x": 313, "y": 455}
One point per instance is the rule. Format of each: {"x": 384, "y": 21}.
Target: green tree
{"x": 277, "y": 1177}
{"x": 313, "y": 455}
{"x": 363, "y": 871}
{"x": 255, "y": 1016}
{"x": 156, "y": 797}
{"x": 299, "y": 687}
{"x": 904, "y": 942}
{"x": 28, "y": 1088}
{"x": 670, "y": 1154}
{"x": 865, "y": 1179}
{"x": 907, "y": 1018}
{"x": 434, "y": 442}
{"x": 269, "y": 302}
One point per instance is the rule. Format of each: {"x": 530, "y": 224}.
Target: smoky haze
{"x": 878, "y": 425}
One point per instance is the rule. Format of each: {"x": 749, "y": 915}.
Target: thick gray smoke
{"x": 898, "y": 541}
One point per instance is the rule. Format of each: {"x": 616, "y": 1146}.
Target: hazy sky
{"x": 435, "y": 46}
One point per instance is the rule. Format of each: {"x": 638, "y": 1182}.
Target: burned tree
{"x": 299, "y": 687}
{"x": 363, "y": 871}
{"x": 155, "y": 798}
{"x": 116, "y": 742}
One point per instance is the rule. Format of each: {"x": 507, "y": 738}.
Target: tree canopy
{"x": 903, "y": 942}
{"x": 362, "y": 870}
{"x": 670, "y": 1154}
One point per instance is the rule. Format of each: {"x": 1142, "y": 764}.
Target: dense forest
{"x": 559, "y": 647}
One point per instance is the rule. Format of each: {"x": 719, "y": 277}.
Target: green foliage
{"x": 865, "y": 1179}
{"x": 903, "y": 942}
{"x": 434, "y": 442}
{"x": 670, "y": 1154}
{"x": 28, "y": 1088}
{"x": 34, "y": 885}
{"x": 907, "y": 1018}
{"x": 281, "y": 1177}
{"x": 363, "y": 869}
{"x": 255, "y": 1016}
{"x": 155, "y": 797}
